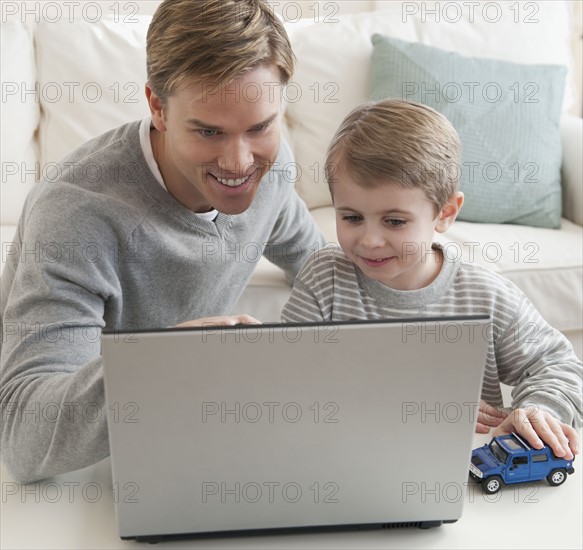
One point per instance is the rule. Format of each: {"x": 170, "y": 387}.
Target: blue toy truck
{"x": 510, "y": 459}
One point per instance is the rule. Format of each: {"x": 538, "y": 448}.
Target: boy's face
{"x": 387, "y": 231}
{"x": 213, "y": 149}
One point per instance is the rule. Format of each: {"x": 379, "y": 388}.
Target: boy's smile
{"x": 213, "y": 148}
{"x": 378, "y": 262}
{"x": 387, "y": 231}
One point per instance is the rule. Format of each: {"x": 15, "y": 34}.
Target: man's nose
{"x": 236, "y": 157}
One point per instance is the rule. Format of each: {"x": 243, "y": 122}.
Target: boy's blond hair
{"x": 195, "y": 41}
{"x": 399, "y": 142}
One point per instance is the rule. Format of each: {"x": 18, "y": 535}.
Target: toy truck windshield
{"x": 498, "y": 451}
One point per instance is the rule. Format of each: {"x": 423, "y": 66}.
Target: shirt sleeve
{"x": 302, "y": 306}
{"x": 541, "y": 364}
{"x": 311, "y": 297}
{"x": 51, "y": 382}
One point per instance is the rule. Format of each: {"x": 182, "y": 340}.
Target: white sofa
{"x": 66, "y": 79}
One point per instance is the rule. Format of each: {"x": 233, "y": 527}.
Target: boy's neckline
{"x": 413, "y": 298}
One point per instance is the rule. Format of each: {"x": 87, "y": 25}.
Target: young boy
{"x": 391, "y": 172}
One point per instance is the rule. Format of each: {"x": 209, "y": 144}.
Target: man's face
{"x": 387, "y": 231}
{"x": 214, "y": 148}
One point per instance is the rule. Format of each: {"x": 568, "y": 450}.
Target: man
{"x": 164, "y": 205}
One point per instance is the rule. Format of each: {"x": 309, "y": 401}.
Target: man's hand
{"x": 222, "y": 320}
{"x": 488, "y": 416}
{"x": 540, "y": 428}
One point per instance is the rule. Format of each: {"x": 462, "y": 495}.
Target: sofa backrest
{"x": 334, "y": 66}
{"x": 20, "y": 118}
{"x": 66, "y": 81}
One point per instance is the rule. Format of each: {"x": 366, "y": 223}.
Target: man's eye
{"x": 261, "y": 127}
{"x": 207, "y": 132}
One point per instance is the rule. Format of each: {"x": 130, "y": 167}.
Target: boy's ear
{"x": 449, "y": 212}
{"x": 156, "y": 109}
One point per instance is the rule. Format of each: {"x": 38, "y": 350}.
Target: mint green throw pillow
{"x": 506, "y": 114}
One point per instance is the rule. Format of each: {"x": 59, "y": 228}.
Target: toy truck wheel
{"x": 492, "y": 485}
{"x": 557, "y": 477}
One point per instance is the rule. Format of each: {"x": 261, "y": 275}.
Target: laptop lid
{"x": 243, "y": 429}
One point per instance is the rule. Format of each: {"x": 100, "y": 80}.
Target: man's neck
{"x": 178, "y": 186}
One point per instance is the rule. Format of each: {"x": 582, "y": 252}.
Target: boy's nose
{"x": 236, "y": 157}
{"x": 372, "y": 238}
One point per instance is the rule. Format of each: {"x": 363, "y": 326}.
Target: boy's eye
{"x": 352, "y": 219}
{"x": 395, "y": 223}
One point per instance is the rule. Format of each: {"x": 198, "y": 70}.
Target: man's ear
{"x": 156, "y": 109}
{"x": 449, "y": 212}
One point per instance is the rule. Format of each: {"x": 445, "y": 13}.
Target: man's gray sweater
{"x": 101, "y": 245}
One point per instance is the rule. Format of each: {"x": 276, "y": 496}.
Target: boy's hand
{"x": 222, "y": 320}
{"x": 540, "y": 428}
{"x": 488, "y": 416}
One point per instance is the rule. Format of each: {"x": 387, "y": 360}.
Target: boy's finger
{"x": 520, "y": 423}
{"x": 559, "y": 429}
{"x": 489, "y": 420}
{"x": 490, "y": 410}
{"x": 482, "y": 428}
{"x": 573, "y": 436}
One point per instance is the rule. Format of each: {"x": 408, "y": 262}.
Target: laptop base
{"x": 154, "y": 539}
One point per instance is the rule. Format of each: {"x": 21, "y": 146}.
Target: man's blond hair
{"x": 394, "y": 141}
{"x": 195, "y": 41}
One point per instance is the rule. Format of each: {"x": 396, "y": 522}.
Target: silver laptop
{"x": 284, "y": 428}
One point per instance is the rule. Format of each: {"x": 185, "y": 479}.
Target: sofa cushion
{"x": 547, "y": 265}
{"x": 88, "y": 86}
{"x": 328, "y": 85}
{"x": 20, "y": 113}
{"x": 507, "y": 117}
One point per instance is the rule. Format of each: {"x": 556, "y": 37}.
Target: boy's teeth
{"x": 232, "y": 183}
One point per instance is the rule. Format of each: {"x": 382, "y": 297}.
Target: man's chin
{"x": 234, "y": 201}
{"x": 232, "y": 208}
{"x": 233, "y": 211}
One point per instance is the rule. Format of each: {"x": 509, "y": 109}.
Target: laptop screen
{"x": 259, "y": 427}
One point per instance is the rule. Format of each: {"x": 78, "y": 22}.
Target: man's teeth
{"x": 232, "y": 183}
